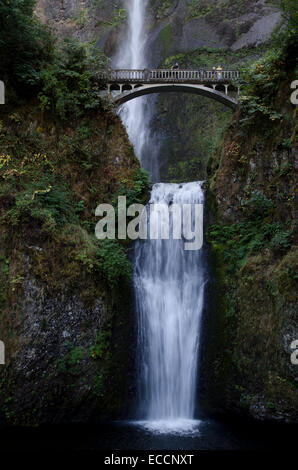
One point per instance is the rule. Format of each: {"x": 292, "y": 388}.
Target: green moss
{"x": 197, "y": 9}
{"x": 102, "y": 346}
{"x": 69, "y": 364}
{"x": 163, "y": 8}
{"x": 165, "y": 39}
{"x": 251, "y": 236}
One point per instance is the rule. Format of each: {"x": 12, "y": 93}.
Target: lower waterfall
{"x": 169, "y": 289}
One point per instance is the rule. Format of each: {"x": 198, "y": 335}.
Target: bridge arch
{"x": 177, "y": 88}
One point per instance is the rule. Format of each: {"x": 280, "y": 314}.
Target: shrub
{"x": 281, "y": 241}
{"x": 25, "y": 44}
{"x": 101, "y": 348}
{"x": 69, "y": 84}
{"x": 257, "y": 206}
{"x": 37, "y": 192}
{"x": 113, "y": 261}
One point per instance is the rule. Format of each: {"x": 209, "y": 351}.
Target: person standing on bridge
{"x": 219, "y": 72}
{"x": 175, "y": 67}
{"x": 146, "y": 74}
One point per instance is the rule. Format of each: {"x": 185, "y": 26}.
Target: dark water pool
{"x": 120, "y": 436}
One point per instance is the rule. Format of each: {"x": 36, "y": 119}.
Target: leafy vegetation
{"x": 163, "y": 9}
{"x": 197, "y": 9}
{"x": 37, "y": 192}
{"x": 113, "y": 260}
{"x": 44, "y": 159}
{"x": 32, "y": 61}
{"x": 102, "y": 346}
{"x": 262, "y": 79}
{"x": 69, "y": 85}
{"x": 70, "y": 362}
{"x": 25, "y": 45}
{"x": 137, "y": 193}
{"x": 243, "y": 239}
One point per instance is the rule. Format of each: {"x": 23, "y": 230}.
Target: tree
{"x": 25, "y": 45}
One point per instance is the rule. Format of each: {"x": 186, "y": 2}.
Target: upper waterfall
{"x": 131, "y": 55}
{"x": 136, "y": 115}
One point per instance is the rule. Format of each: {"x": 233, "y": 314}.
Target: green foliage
{"x": 136, "y": 194}
{"x": 197, "y": 9}
{"x": 119, "y": 15}
{"x": 98, "y": 385}
{"x": 70, "y": 362}
{"x": 101, "y": 349}
{"x": 260, "y": 86}
{"x": 69, "y": 85}
{"x": 113, "y": 261}
{"x": 241, "y": 240}
{"x": 211, "y": 56}
{"x": 185, "y": 171}
{"x": 166, "y": 38}
{"x": 286, "y": 143}
{"x": 112, "y": 257}
{"x": 38, "y": 192}
{"x": 82, "y": 19}
{"x": 258, "y": 206}
{"x": 25, "y": 44}
{"x": 262, "y": 79}
{"x": 290, "y": 13}
{"x": 163, "y": 9}
{"x": 281, "y": 241}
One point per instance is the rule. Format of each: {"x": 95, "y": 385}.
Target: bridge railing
{"x": 159, "y": 75}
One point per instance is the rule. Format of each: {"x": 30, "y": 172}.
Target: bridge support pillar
{"x": 214, "y": 87}
{"x": 109, "y": 88}
{"x": 226, "y": 89}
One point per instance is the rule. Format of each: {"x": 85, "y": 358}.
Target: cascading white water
{"x": 132, "y": 56}
{"x": 169, "y": 281}
{"x": 169, "y": 288}
{"x": 136, "y": 114}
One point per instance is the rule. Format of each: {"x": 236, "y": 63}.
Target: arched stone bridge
{"x": 134, "y": 83}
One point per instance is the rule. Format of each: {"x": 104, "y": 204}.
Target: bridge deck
{"x": 169, "y": 75}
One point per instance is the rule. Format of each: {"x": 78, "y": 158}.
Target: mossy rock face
{"x": 196, "y": 23}
{"x": 253, "y": 293}
{"x": 66, "y": 323}
{"x": 52, "y": 375}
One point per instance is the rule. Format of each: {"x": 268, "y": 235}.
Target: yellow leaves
{"x": 16, "y": 282}
{"x": 12, "y": 172}
{"x": 41, "y": 191}
{"x": 4, "y": 160}
{"x": 15, "y": 167}
{"x": 37, "y": 158}
{"x": 14, "y": 117}
{"x": 232, "y": 150}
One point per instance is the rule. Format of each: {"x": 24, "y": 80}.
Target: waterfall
{"x": 168, "y": 280}
{"x": 169, "y": 289}
{"x": 136, "y": 115}
{"x": 132, "y": 56}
